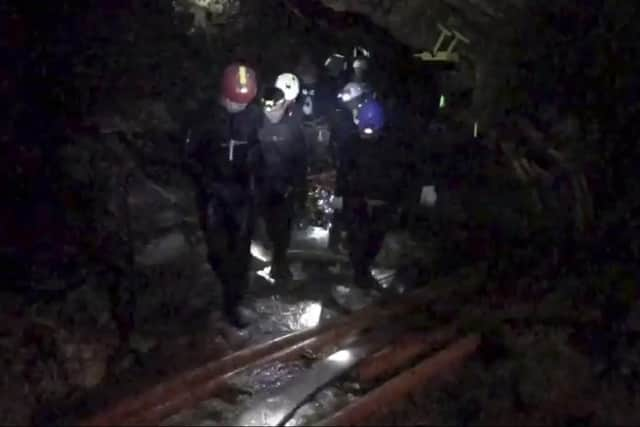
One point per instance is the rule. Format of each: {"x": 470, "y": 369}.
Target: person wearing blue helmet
{"x": 343, "y": 122}
{"x": 369, "y": 166}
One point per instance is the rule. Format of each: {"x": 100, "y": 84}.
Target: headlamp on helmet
{"x": 273, "y": 103}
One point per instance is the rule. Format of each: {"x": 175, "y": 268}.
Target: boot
{"x": 231, "y": 307}
{"x": 235, "y": 317}
{"x": 363, "y": 279}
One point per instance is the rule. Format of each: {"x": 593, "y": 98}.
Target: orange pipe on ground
{"x": 185, "y": 383}
{"x": 400, "y": 387}
{"x": 401, "y": 353}
{"x": 191, "y": 397}
{"x": 196, "y": 393}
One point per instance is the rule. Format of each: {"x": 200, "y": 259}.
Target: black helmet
{"x": 360, "y": 61}
{"x": 307, "y": 70}
{"x": 274, "y": 103}
{"x": 271, "y": 97}
{"x": 336, "y": 64}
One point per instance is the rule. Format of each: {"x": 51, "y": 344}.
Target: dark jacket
{"x": 343, "y": 130}
{"x": 220, "y": 144}
{"x": 369, "y": 168}
{"x": 282, "y": 155}
{"x": 316, "y": 101}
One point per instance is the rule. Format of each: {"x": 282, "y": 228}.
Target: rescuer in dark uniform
{"x": 342, "y": 120}
{"x": 370, "y": 166}
{"x": 315, "y": 101}
{"x": 218, "y": 155}
{"x": 360, "y": 72}
{"x": 336, "y": 72}
{"x": 281, "y": 174}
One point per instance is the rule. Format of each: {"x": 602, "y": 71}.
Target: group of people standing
{"x": 248, "y": 157}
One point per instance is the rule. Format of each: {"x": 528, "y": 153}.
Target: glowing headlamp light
{"x": 270, "y": 105}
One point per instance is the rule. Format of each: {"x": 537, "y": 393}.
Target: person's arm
{"x": 341, "y": 135}
{"x": 422, "y": 180}
{"x": 300, "y": 163}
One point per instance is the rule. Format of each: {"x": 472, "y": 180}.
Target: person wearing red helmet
{"x": 219, "y": 145}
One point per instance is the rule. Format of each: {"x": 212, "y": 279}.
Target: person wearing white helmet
{"x": 280, "y": 175}
{"x": 289, "y": 84}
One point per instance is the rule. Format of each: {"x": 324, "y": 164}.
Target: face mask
{"x": 274, "y": 115}
{"x": 232, "y": 107}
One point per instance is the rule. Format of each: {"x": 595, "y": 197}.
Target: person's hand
{"x": 428, "y": 196}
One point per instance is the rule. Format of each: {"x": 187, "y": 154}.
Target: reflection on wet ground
{"x": 278, "y": 317}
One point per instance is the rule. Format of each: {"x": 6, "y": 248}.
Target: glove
{"x": 324, "y": 135}
{"x": 336, "y": 203}
{"x": 428, "y": 196}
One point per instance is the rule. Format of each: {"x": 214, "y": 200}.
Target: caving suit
{"x": 220, "y": 150}
{"x": 281, "y": 182}
{"x": 315, "y": 102}
{"x": 370, "y": 174}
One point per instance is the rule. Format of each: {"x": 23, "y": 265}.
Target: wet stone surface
{"x": 278, "y": 317}
{"x": 324, "y": 403}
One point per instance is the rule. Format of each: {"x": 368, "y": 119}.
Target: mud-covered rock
{"x": 84, "y": 357}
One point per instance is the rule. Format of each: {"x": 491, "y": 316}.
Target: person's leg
{"x": 220, "y": 236}
{"x": 338, "y": 221}
{"x": 279, "y": 216}
{"x": 379, "y": 218}
{"x": 358, "y": 229}
{"x": 335, "y": 232}
{"x": 367, "y": 239}
{"x": 239, "y": 259}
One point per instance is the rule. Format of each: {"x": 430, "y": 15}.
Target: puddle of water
{"x": 267, "y": 377}
{"x": 278, "y": 317}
